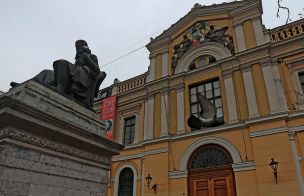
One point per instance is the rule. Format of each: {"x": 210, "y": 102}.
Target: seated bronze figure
{"x": 80, "y": 81}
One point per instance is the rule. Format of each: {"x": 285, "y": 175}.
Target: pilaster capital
{"x": 245, "y": 67}
{"x": 163, "y": 51}
{"x": 227, "y": 73}
{"x": 291, "y": 135}
{"x": 178, "y": 87}
{"x": 164, "y": 91}
{"x": 265, "y": 64}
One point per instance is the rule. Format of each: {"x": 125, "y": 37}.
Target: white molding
{"x": 117, "y": 174}
{"x": 250, "y": 17}
{"x": 166, "y": 50}
{"x": 243, "y": 166}
{"x": 268, "y": 132}
{"x": 296, "y": 128}
{"x": 130, "y": 108}
{"x": 140, "y": 155}
{"x": 209, "y": 140}
{"x": 178, "y": 174}
{"x": 246, "y": 9}
{"x": 210, "y": 48}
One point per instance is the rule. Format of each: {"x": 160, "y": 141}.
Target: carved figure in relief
{"x": 174, "y": 63}
{"x": 230, "y": 45}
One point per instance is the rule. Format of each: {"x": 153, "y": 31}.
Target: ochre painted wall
{"x": 157, "y": 116}
{"x": 250, "y": 39}
{"x": 260, "y": 90}
{"x": 240, "y": 95}
{"x": 158, "y": 66}
{"x": 172, "y": 112}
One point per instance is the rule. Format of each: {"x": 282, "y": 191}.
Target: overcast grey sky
{"x": 34, "y": 33}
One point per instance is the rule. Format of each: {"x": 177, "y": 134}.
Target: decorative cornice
{"x": 243, "y": 166}
{"x": 22, "y": 136}
{"x": 153, "y": 45}
{"x": 140, "y": 155}
{"x": 251, "y": 17}
{"x": 178, "y": 174}
{"x": 227, "y": 73}
{"x": 287, "y": 43}
{"x": 265, "y": 64}
{"x": 178, "y": 87}
{"x": 295, "y": 61}
{"x": 249, "y": 7}
{"x": 268, "y": 132}
{"x": 166, "y": 50}
{"x": 130, "y": 108}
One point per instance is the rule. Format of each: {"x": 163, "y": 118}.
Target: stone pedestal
{"x": 50, "y": 145}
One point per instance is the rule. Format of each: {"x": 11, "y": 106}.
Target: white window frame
{"x": 136, "y": 109}
{"x": 295, "y": 75}
{"x": 116, "y": 179}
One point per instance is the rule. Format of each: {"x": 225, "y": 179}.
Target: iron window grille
{"x": 126, "y": 179}
{"x": 209, "y": 157}
{"x": 129, "y": 131}
{"x": 301, "y": 76}
{"x": 212, "y": 91}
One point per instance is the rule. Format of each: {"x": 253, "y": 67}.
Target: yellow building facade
{"x": 256, "y": 83}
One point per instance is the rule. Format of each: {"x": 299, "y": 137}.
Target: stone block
{"x": 39, "y": 190}
{"x": 13, "y": 188}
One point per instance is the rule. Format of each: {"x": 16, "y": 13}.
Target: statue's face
{"x": 80, "y": 51}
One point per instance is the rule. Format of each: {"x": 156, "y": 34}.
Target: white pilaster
{"x": 271, "y": 89}
{"x": 296, "y": 162}
{"x": 136, "y": 127}
{"x": 180, "y": 110}
{"x": 279, "y": 86}
{"x": 165, "y": 64}
{"x": 258, "y": 31}
{"x": 121, "y": 129}
{"x": 250, "y": 93}
{"x": 150, "y": 117}
{"x": 146, "y": 119}
{"x": 152, "y": 69}
{"x": 164, "y": 112}
{"x": 240, "y": 37}
{"x": 232, "y": 112}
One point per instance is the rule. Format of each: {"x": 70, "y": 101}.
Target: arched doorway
{"x": 210, "y": 172}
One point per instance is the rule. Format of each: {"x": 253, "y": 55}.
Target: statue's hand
{"x": 86, "y": 56}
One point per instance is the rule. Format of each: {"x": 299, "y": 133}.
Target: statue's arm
{"x": 92, "y": 62}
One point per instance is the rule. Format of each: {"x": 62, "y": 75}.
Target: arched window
{"x": 209, "y": 156}
{"x": 202, "y": 63}
{"x": 126, "y": 179}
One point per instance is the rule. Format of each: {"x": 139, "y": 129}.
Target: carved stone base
{"x": 51, "y": 146}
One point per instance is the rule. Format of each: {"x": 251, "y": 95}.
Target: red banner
{"x": 108, "y": 113}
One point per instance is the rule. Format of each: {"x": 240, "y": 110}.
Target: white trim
{"x": 243, "y": 166}
{"x": 209, "y": 140}
{"x": 116, "y": 179}
{"x": 140, "y": 155}
{"x": 178, "y": 174}
{"x": 210, "y": 48}
{"x": 269, "y": 132}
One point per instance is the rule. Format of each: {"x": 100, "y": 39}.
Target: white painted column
{"x": 240, "y": 37}
{"x": 279, "y": 86}
{"x": 271, "y": 89}
{"x": 165, "y": 67}
{"x": 296, "y": 162}
{"x": 232, "y": 112}
{"x": 121, "y": 129}
{"x": 180, "y": 109}
{"x": 150, "y": 117}
{"x": 136, "y": 127}
{"x": 164, "y": 112}
{"x": 250, "y": 93}
{"x": 152, "y": 69}
{"x": 146, "y": 119}
{"x": 258, "y": 31}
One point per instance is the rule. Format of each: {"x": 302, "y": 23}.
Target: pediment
{"x": 233, "y": 9}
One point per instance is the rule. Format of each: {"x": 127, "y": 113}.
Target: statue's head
{"x": 81, "y": 43}
{"x": 185, "y": 37}
{"x": 81, "y": 48}
{"x": 211, "y": 27}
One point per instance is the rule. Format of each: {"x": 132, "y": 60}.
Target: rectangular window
{"x": 212, "y": 91}
{"x": 129, "y": 130}
{"x": 301, "y": 76}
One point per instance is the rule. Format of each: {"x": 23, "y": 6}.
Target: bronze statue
{"x": 174, "y": 64}
{"x": 80, "y": 80}
{"x": 230, "y": 45}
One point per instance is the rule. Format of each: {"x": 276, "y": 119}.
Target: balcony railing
{"x": 286, "y": 32}
{"x": 131, "y": 84}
